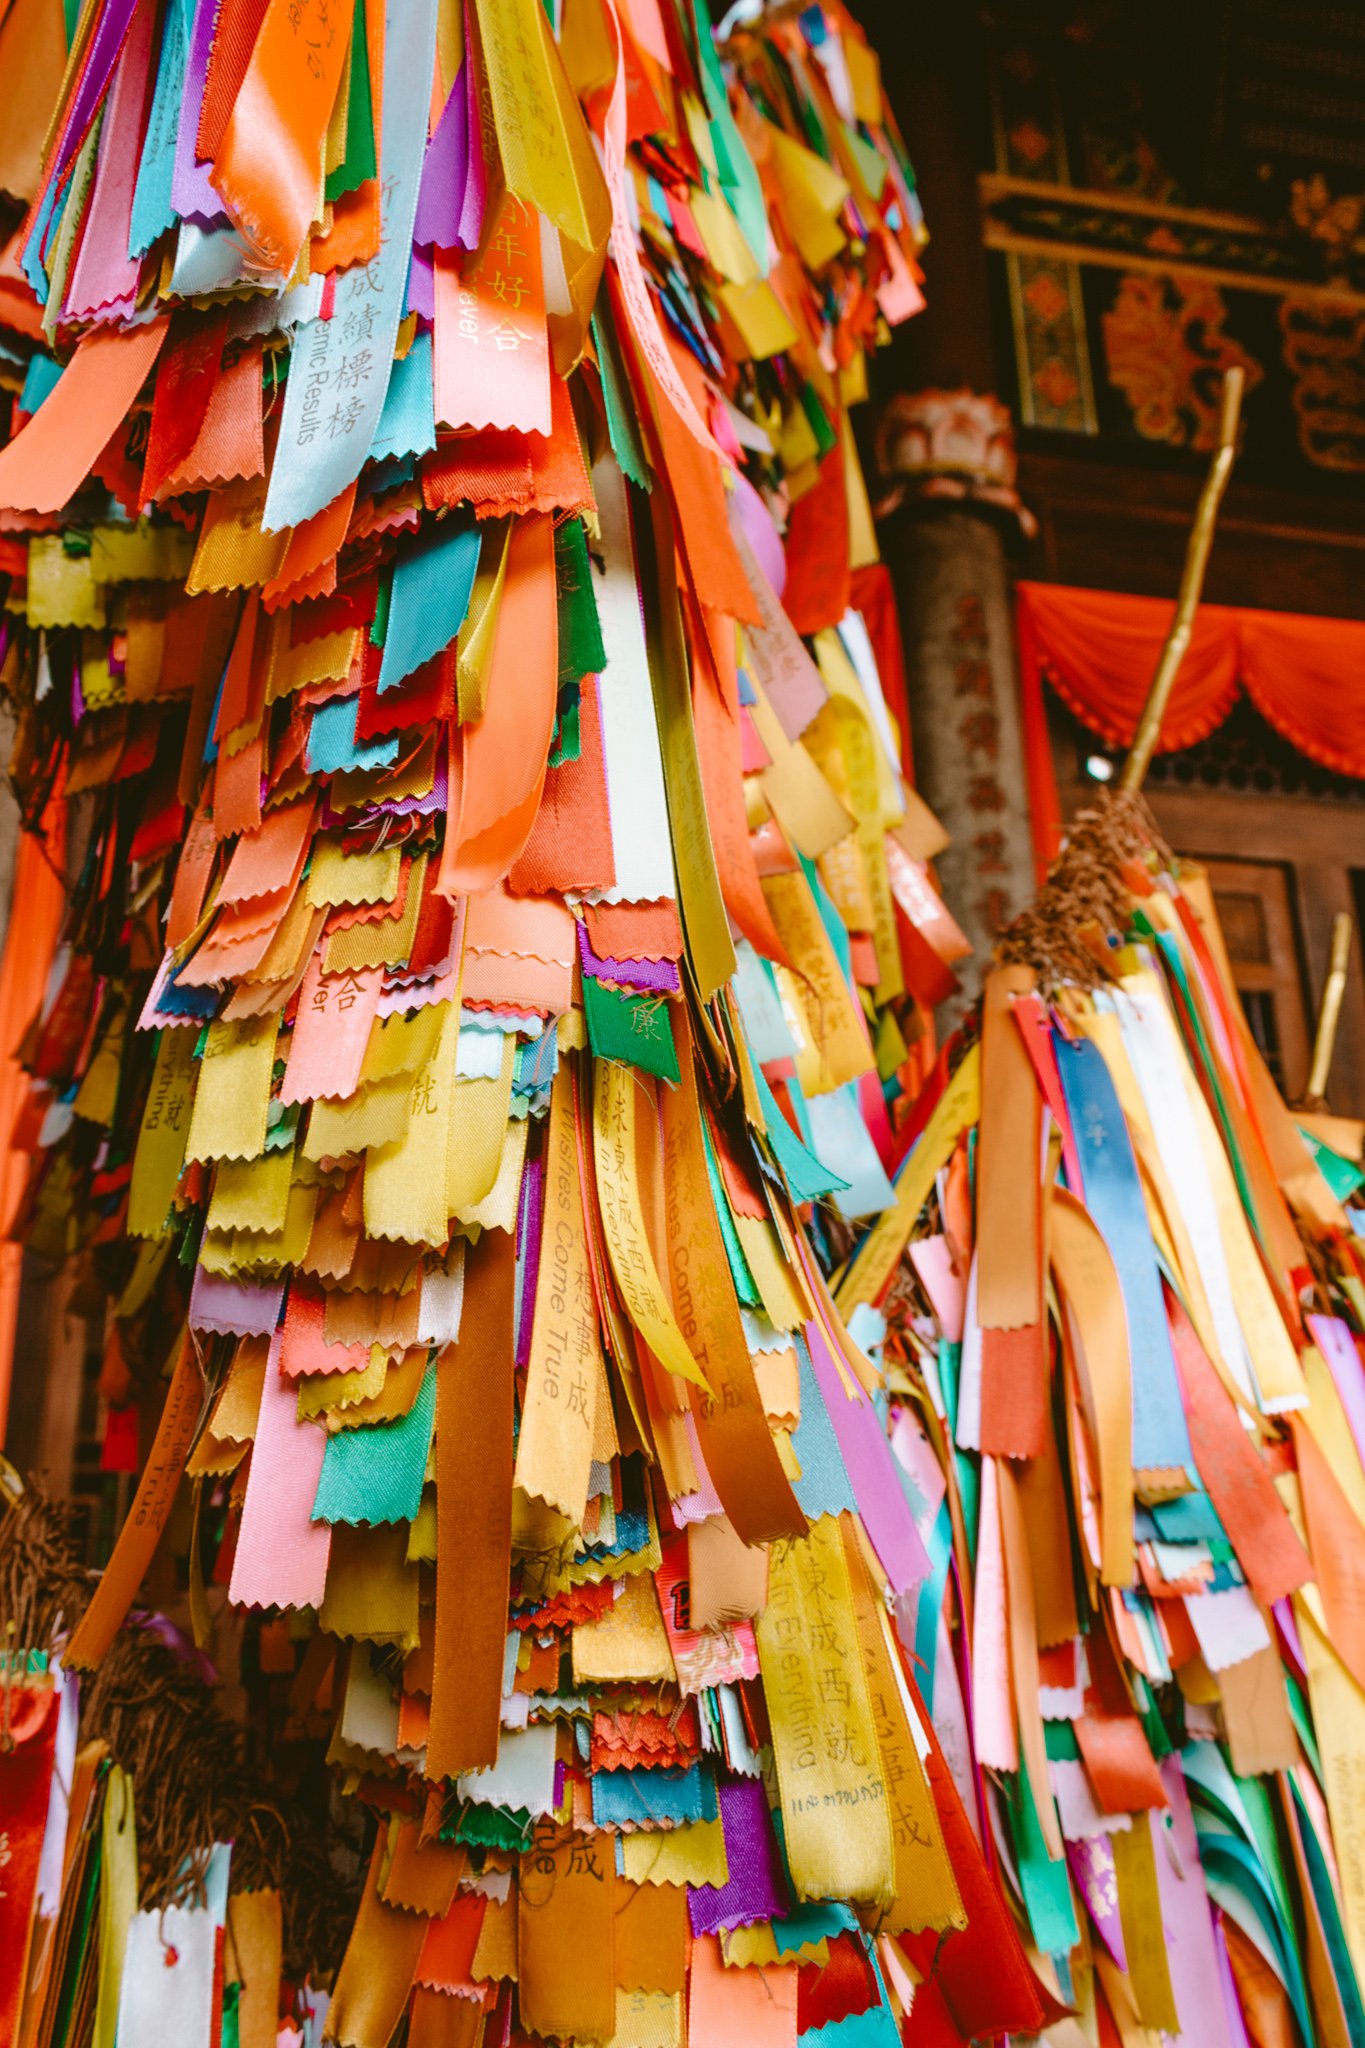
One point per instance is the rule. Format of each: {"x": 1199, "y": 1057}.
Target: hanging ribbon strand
{"x": 440, "y": 568}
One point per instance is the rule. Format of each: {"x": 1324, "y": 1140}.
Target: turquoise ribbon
{"x": 1113, "y": 1196}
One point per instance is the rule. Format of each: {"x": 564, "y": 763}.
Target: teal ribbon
{"x": 1113, "y": 1196}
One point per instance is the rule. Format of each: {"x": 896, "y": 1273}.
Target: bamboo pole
{"x": 1191, "y": 585}
{"x": 1329, "y": 1015}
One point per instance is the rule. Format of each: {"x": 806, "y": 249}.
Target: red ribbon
{"x": 27, "y": 1752}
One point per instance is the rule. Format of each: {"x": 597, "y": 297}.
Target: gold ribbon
{"x": 836, "y": 1813}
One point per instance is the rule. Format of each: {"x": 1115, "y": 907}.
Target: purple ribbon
{"x": 755, "y": 1888}
{"x": 528, "y": 1251}
{"x": 105, "y": 45}
{"x": 655, "y": 977}
{"x": 441, "y": 198}
{"x": 192, "y": 196}
{"x": 871, "y": 1466}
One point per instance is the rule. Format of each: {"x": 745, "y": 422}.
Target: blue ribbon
{"x": 1113, "y": 1195}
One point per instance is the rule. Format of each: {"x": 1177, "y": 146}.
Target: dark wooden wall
{"x": 1119, "y": 526}
{"x": 1114, "y": 517}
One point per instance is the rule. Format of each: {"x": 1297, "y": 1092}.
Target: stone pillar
{"x": 946, "y": 467}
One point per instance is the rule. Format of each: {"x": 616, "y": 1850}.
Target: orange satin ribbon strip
{"x": 1089, "y": 1283}
{"x": 269, "y": 168}
{"x": 48, "y": 461}
{"x": 1238, "y": 1481}
{"x": 151, "y": 1510}
{"x": 442, "y": 2020}
{"x": 37, "y": 909}
{"x": 566, "y": 1913}
{"x": 498, "y": 766}
{"x": 255, "y": 1925}
{"x": 1337, "y": 1542}
{"x": 651, "y": 1937}
{"x": 1014, "y": 1418}
{"x": 473, "y": 1514}
{"x": 378, "y": 1968}
{"x": 732, "y": 1427}
{"x": 718, "y": 752}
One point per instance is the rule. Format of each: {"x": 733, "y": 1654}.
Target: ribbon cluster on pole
{"x": 500, "y": 946}
{"x": 1127, "y": 1381}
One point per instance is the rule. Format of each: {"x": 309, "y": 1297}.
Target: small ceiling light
{"x": 1099, "y": 767}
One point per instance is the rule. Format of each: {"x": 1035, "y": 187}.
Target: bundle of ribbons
{"x": 443, "y": 597}
{"x": 137, "y": 1824}
{"x": 1127, "y": 1323}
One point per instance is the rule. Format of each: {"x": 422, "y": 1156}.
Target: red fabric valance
{"x": 1099, "y": 650}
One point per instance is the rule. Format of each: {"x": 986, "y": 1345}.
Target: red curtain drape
{"x": 1098, "y": 650}
{"x": 1306, "y": 676}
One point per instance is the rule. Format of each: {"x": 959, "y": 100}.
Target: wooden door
{"x": 1309, "y": 864}
{"x": 1252, "y": 898}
